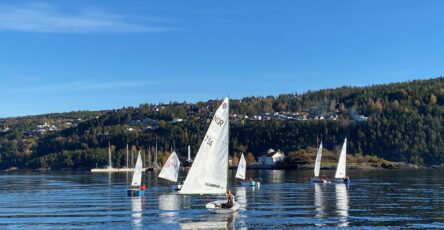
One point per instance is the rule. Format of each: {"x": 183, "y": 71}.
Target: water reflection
{"x": 277, "y": 176}
{"x": 219, "y": 221}
{"x": 136, "y": 208}
{"x": 319, "y": 201}
{"x": 169, "y": 202}
{"x": 241, "y": 197}
{"x": 342, "y": 204}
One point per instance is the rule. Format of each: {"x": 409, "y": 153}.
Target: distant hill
{"x": 401, "y": 122}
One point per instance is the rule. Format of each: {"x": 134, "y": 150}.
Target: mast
{"x": 109, "y": 156}
{"x": 228, "y": 144}
{"x": 189, "y": 154}
{"x": 127, "y": 156}
{"x": 155, "y": 157}
{"x": 149, "y": 157}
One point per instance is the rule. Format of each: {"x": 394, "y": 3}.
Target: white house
{"x": 271, "y": 158}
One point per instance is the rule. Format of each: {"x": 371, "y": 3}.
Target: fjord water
{"x": 285, "y": 200}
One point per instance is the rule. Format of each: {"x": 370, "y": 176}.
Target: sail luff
{"x": 340, "y": 171}
{"x": 317, "y": 167}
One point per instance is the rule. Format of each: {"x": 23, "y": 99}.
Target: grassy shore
{"x": 305, "y": 159}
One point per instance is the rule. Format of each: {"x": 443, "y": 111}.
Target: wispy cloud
{"x": 80, "y": 86}
{"x": 45, "y": 18}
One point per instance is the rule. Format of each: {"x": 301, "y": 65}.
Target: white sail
{"x": 241, "y": 168}
{"x": 317, "y": 167}
{"x": 170, "y": 170}
{"x": 340, "y": 171}
{"x": 209, "y": 172}
{"x": 137, "y": 176}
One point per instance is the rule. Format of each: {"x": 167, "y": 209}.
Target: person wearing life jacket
{"x": 142, "y": 187}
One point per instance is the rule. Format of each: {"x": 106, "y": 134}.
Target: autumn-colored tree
{"x": 250, "y": 158}
{"x": 433, "y": 99}
{"x": 235, "y": 160}
{"x": 378, "y": 106}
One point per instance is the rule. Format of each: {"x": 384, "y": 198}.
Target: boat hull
{"x": 317, "y": 180}
{"x": 250, "y": 183}
{"x": 341, "y": 181}
{"x": 176, "y": 187}
{"x": 212, "y": 207}
{"x": 135, "y": 192}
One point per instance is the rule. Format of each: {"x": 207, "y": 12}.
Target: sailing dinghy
{"x": 170, "y": 170}
{"x": 136, "y": 188}
{"x": 209, "y": 172}
{"x": 341, "y": 176}
{"x": 317, "y": 168}
{"x": 241, "y": 169}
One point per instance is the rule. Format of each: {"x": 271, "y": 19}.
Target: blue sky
{"x": 58, "y": 56}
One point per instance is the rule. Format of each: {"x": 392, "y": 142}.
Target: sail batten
{"x": 341, "y": 170}
{"x": 170, "y": 170}
{"x": 317, "y": 167}
{"x": 209, "y": 172}
{"x": 241, "y": 168}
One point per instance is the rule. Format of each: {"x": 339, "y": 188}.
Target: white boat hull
{"x": 317, "y": 180}
{"x": 212, "y": 207}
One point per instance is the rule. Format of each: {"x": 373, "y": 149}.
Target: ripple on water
{"x": 286, "y": 200}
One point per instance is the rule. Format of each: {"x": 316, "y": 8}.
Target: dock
{"x": 102, "y": 170}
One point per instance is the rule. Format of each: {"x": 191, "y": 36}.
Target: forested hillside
{"x": 398, "y": 122}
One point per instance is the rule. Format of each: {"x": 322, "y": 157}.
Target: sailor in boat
{"x": 323, "y": 179}
{"x": 134, "y": 189}
{"x": 346, "y": 179}
{"x": 229, "y": 204}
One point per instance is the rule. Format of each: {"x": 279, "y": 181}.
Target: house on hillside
{"x": 271, "y": 158}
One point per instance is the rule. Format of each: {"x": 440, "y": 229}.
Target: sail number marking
{"x": 208, "y": 140}
{"x": 218, "y": 121}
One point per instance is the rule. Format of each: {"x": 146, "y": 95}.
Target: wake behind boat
{"x": 209, "y": 172}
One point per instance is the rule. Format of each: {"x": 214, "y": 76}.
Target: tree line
{"x": 405, "y": 123}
